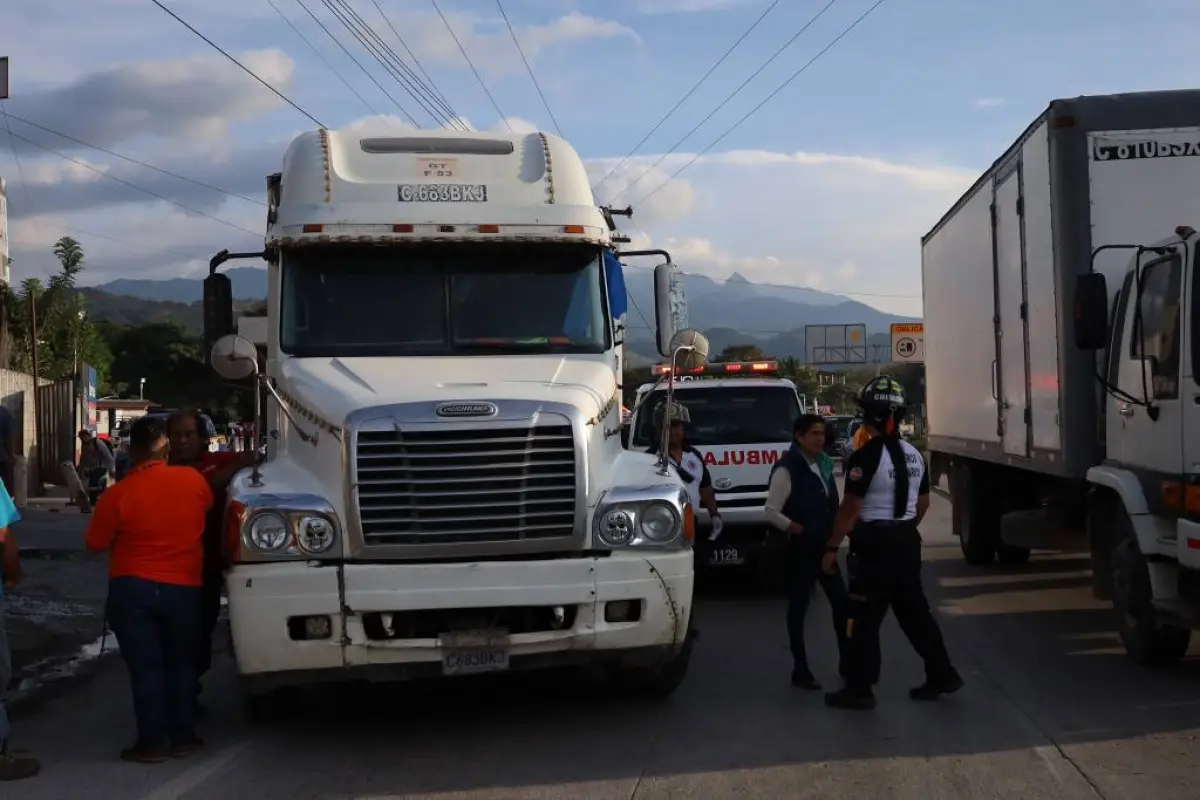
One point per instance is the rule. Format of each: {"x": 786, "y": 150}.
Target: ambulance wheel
{"x": 975, "y": 522}
{"x": 1146, "y": 640}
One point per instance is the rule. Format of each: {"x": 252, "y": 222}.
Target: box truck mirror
{"x": 1091, "y": 312}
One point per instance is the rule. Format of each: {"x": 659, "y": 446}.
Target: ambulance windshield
{"x": 729, "y": 415}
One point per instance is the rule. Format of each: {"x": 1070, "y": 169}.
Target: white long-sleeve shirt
{"x": 778, "y": 492}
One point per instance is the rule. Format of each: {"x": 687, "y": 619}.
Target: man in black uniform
{"x": 887, "y": 495}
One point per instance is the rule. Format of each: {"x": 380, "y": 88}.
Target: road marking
{"x": 196, "y": 776}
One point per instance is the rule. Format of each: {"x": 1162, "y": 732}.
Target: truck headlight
{"x": 616, "y": 527}
{"x": 641, "y": 517}
{"x": 658, "y": 522}
{"x": 269, "y": 532}
{"x": 314, "y": 535}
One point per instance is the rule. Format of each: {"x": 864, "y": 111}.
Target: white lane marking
{"x": 196, "y": 776}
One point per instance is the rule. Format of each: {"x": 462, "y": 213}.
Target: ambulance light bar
{"x": 725, "y": 369}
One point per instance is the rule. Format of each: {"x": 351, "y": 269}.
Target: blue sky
{"x": 830, "y": 185}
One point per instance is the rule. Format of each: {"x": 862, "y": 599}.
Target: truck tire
{"x": 266, "y": 708}
{"x": 975, "y": 522}
{"x": 1146, "y": 641}
{"x": 658, "y": 682}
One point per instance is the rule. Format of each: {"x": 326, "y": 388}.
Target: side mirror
{"x": 218, "y": 308}
{"x": 234, "y": 357}
{"x": 1091, "y": 312}
{"x": 670, "y": 306}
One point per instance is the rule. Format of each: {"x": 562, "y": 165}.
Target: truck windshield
{"x": 443, "y": 299}
{"x": 726, "y": 416}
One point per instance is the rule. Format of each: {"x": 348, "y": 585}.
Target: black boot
{"x": 933, "y": 689}
{"x": 803, "y": 679}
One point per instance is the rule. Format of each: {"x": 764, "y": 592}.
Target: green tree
{"x": 66, "y": 338}
{"x": 740, "y": 352}
{"x": 173, "y": 364}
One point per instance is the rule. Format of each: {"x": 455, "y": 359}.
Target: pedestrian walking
{"x": 13, "y": 766}
{"x": 189, "y": 448}
{"x": 152, "y": 522}
{"x": 887, "y": 496}
{"x": 802, "y": 501}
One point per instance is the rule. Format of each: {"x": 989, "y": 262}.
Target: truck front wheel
{"x": 659, "y": 682}
{"x": 1146, "y": 640}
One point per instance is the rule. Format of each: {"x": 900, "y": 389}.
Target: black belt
{"x": 887, "y": 523}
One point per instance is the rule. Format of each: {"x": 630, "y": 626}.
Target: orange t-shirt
{"x": 153, "y": 522}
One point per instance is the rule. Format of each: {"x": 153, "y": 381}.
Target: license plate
{"x": 725, "y": 557}
{"x": 472, "y": 652}
{"x": 473, "y": 661}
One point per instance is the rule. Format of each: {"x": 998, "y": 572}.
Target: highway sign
{"x": 908, "y": 342}
{"x": 836, "y": 344}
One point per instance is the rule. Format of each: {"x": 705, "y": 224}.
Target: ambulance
{"x": 742, "y": 415}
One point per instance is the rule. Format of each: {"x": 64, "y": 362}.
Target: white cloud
{"x": 989, "y": 102}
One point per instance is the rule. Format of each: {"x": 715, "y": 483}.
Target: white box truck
{"x": 1077, "y": 409}
{"x": 444, "y": 490}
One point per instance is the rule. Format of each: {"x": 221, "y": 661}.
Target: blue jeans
{"x": 5, "y": 677}
{"x": 157, "y": 626}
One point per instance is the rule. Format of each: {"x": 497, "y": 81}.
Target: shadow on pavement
{"x": 1035, "y": 676}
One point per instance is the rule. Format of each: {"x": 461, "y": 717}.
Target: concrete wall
{"x": 16, "y": 394}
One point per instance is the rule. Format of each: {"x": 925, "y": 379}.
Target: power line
{"x": 12, "y": 141}
{"x": 386, "y": 57}
{"x": 732, "y": 94}
{"x": 767, "y": 99}
{"x": 428, "y": 80}
{"x": 529, "y": 69}
{"x": 321, "y": 56}
{"x": 471, "y": 64}
{"x": 124, "y": 182}
{"x": 242, "y": 66}
{"x": 690, "y": 92}
{"x": 358, "y": 63}
{"x": 132, "y": 160}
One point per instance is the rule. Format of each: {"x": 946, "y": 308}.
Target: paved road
{"x": 1051, "y": 710}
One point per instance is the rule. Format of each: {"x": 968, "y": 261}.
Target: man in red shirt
{"x": 152, "y": 524}
{"x": 189, "y": 448}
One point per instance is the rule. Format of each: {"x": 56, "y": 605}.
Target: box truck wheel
{"x": 1146, "y": 641}
{"x": 975, "y": 522}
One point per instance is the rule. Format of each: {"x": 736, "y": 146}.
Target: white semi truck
{"x": 1078, "y": 410}
{"x": 444, "y": 489}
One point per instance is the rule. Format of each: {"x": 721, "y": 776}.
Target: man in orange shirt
{"x": 152, "y": 522}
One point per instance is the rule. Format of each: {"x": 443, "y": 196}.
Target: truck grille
{"x": 466, "y": 486}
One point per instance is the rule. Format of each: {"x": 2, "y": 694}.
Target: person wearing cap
{"x": 96, "y": 465}
{"x": 687, "y": 461}
{"x": 802, "y": 500}
{"x": 887, "y": 496}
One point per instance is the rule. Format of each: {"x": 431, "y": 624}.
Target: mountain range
{"x": 733, "y": 311}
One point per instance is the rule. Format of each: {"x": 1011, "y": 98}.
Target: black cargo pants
{"x": 884, "y": 571}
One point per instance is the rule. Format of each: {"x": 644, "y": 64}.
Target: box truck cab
{"x": 444, "y": 490}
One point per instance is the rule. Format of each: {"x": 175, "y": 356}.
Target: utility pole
{"x": 37, "y": 407}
